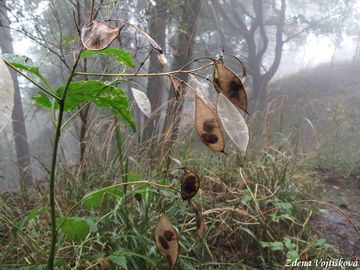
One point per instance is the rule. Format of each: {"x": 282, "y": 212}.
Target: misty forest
{"x": 179, "y": 134}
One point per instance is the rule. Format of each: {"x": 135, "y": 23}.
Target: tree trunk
{"x": 155, "y": 86}
{"x": 19, "y": 130}
{"x": 183, "y": 53}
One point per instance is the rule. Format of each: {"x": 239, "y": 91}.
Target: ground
{"x": 330, "y": 223}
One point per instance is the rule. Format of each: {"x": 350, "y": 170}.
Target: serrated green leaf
{"x": 25, "y": 63}
{"x": 121, "y": 56}
{"x": 75, "y": 229}
{"x": 42, "y": 100}
{"x": 119, "y": 260}
{"x": 103, "y": 95}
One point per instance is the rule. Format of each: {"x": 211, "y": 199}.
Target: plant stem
{"x": 50, "y": 264}
{"x": 144, "y": 74}
{"x": 51, "y": 258}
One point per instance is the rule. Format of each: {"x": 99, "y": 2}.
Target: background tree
{"x": 158, "y": 15}
{"x": 186, "y": 31}
{"x": 23, "y": 162}
{"x": 260, "y": 29}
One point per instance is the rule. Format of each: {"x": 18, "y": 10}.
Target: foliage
{"x": 272, "y": 229}
{"x": 258, "y": 203}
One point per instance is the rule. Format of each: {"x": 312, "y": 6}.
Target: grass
{"x": 251, "y": 218}
{"x": 257, "y": 210}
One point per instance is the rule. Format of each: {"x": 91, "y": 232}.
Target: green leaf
{"x": 321, "y": 243}
{"x": 182, "y": 264}
{"x": 95, "y": 198}
{"x": 288, "y": 244}
{"x": 119, "y": 260}
{"x": 121, "y": 56}
{"x": 128, "y": 253}
{"x": 75, "y": 229}
{"x": 24, "y": 63}
{"x": 21, "y": 225}
{"x": 103, "y": 95}
{"x": 272, "y": 245}
{"x": 292, "y": 255}
{"x": 42, "y": 100}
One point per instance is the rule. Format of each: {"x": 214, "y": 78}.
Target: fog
{"x": 325, "y": 38}
{"x": 113, "y": 112}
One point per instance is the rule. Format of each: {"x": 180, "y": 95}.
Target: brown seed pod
{"x": 97, "y": 35}
{"x": 190, "y": 184}
{"x": 226, "y": 82}
{"x": 166, "y": 240}
{"x": 178, "y": 87}
{"x": 200, "y": 221}
{"x": 208, "y": 126}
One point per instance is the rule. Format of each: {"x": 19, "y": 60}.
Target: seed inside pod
{"x": 208, "y": 126}
{"x": 166, "y": 240}
{"x": 190, "y": 184}
{"x": 229, "y": 84}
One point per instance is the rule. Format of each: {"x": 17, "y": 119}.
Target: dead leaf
{"x": 226, "y": 82}
{"x": 97, "y": 35}
{"x": 166, "y": 240}
{"x": 208, "y": 126}
{"x": 190, "y": 184}
{"x": 200, "y": 221}
{"x": 233, "y": 122}
{"x": 142, "y": 101}
{"x": 178, "y": 86}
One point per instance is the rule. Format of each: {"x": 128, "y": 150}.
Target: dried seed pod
{"x": 97, "y": 35}
{"x": 142, "y": 101}
{"x": 233, "y": 122}
{"x": 227, "y": 83}
{"x": 166, "y": 240}
{"x": 190, "y": 184}
{"x": 200, "y": 221}
{"x": 162, "y": 59}
{"x": 208, "y": 126}
{"x": 178, "y": 86}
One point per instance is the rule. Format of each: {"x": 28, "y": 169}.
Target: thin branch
{"x": 32, "y": 81}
